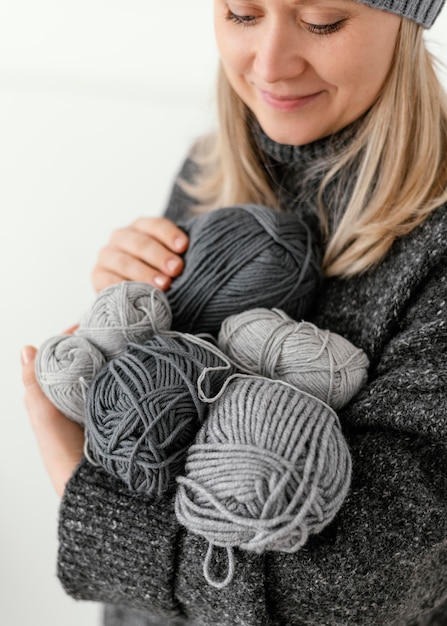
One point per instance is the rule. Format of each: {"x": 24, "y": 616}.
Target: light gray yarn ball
{"x": 270, "y": 343}
{"x": 268, "y": 468}
{"x": 65, "y": 367}
{"x": 128, "y": 312}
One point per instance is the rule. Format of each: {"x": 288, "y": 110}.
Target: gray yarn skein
{"x": 65, "y": 367}
{"x": 268, "y": 468}
{"x": 270, "y": 343}
{"x": 143, "y": 409}
{"x": 124, "y": 313}
{"x": 243, "y": 257}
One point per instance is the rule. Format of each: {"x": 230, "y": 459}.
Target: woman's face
{"x": 305, "y": 68}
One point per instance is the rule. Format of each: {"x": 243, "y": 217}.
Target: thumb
{"x": 28, "y": 358}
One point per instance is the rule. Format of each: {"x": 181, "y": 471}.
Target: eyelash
{"x": 242, "y": 20}
{"x": 316, "y": 29}
{"x": 325, "y": 29}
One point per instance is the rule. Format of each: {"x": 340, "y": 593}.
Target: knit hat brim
{"x": 424, "y": 12}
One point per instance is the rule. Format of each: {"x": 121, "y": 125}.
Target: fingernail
{"x": 27, "y": 355}
{"x": 161, "y": 281}
{"x": 173, "y": 265}
{"x": 180, "y": 242}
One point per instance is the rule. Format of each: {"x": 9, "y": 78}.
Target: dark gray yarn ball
{"x": 239, "y": 258}
{"x": 143, "y": 409}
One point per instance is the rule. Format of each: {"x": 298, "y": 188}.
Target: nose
{"x": 279, "y": 55}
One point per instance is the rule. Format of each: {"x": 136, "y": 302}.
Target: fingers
{"x": 122, "y": 260}
{"x": 147, "y": 251}
{"x": 164, "y": 231}
{"x": 60, "y": 440}
{"x": 71, "y": 330}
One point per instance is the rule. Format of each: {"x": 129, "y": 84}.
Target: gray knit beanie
{"x": 423, "y": 12}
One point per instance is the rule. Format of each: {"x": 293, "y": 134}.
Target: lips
{"x": 288, "y": 102}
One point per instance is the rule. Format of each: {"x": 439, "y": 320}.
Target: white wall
{"x": 99, "y": 100}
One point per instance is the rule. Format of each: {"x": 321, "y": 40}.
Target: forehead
{"x": 292, "y": 4}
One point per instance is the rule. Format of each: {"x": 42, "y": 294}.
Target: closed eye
{"x": 325, "y": 29}
{"x": 244, "y": 20}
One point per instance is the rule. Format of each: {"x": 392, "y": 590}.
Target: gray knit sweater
{"x": 383, "y": 561}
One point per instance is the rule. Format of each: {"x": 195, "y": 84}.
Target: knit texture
{"x": 383, "y": 560}
{"x": 225, "y": 266}
{"x": 423, "y": 12}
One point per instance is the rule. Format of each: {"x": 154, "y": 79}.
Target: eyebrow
{"x": 317, "y": 2}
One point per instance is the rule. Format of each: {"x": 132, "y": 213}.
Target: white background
{"x": 99, "y": 101}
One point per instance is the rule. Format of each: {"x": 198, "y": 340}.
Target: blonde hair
{"x": 398, "y": 160}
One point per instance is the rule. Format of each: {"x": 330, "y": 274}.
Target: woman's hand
{"x": 60, "y": 440}
{"x": 146, "y": 251}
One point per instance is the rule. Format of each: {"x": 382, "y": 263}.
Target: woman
{"x": 329, "y": 109}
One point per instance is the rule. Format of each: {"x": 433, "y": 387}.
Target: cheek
{"x": 228, "y": 53}
{"x": 376, "y": 51}
{"x": 358, "y": 70}
{"x": 228, "y": 43}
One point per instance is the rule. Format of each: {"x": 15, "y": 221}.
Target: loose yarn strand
{"x": 207, "y": 341}
{"x": 87, "y": 454}
{"x": 214, "y": 582}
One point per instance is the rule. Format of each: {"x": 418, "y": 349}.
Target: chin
{"x": 291, "y": 136}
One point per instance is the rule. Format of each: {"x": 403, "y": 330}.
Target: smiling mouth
{"x": 288, "y": 103}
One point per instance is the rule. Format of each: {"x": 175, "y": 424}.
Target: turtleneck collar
{"x": 320, "y": 149}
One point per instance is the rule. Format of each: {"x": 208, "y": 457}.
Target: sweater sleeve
{"x": 115, "y": 547}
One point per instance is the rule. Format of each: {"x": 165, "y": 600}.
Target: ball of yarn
{"x": 143, "y": 409}
{"x": 65, "y": 367}
{"x": 270, "y": 343}
{"x": 239, "y": 258}
{"x": 124, "y": 313}
{"x": 268, "y": 468}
